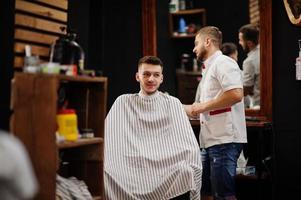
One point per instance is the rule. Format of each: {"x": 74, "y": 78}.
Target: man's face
{"x": 150, "y": 78}
{"x": 199, "y": 48}
{"x": 243, "y": 43}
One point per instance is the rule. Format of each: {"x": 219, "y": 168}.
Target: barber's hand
{"x": 188, "y": 110}
{"x": 197, "y": 108}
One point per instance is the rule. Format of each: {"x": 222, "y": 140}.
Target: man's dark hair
{"x": 150, "y": 60}
{"x": 228, "y": 48}
{"x": 250, "y": 32}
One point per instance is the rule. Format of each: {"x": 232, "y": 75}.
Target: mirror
{"x": 265, "y": 111}
{"x": 293, "y": 10}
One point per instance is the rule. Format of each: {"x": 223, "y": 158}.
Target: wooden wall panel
{"x": 32, "y": 36}
{"x": 18, "y": 62}
{"x": 57, "y": 3}
{"x": 40, "y": 10}
{"x": 35, "y": 49}
{"x": 37, "y": 23}
{"x": 254, "y": 11}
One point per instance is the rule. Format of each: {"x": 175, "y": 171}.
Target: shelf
{"x": 34, "y": 93}
{"x": 81, "y": 78}
{"x": 189, "y": 12}
{"x": 183, "y": 36}
{"x": 194, "y": 20}
{"x": 79, "y": 143}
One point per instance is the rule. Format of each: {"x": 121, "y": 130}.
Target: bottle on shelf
{"x": 195, "y": 65}
{"x": 298, "y": 63}
{"x": 188, "y": 4}
{"x": 174, "y": 6}
{"x": 182, "y": 4}
{"x": 182, "y": 25}
{"x": 186, "y": 62}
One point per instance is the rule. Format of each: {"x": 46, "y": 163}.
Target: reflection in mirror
{"x": 249, "y": 41}
{"x": 265, "y": 38}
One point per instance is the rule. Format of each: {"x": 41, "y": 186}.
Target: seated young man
{"x": 150, "y": 148}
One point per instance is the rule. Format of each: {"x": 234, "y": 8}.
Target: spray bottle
{"x": 298, "y": 63}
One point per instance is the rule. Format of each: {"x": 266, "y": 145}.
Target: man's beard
{"x": 246, "y": 49}
{"x": 202, "y": 55}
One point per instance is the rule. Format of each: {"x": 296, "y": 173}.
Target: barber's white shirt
{"x": 221, "y": 74}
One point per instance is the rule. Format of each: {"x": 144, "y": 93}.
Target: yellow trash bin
{"x": 67, "y": 124}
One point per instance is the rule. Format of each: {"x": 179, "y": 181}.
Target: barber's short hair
{"x": 153, "y": 60}
{"x": 214, "y": 33}
{"x": 250, "y": 32}
{"x": 228, "y": 48}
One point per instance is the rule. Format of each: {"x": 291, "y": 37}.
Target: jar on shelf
{"x": 67, "y": 124}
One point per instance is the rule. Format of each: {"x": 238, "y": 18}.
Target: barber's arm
{"x": 227, "y": 99}
{"x": 188, "y": 110}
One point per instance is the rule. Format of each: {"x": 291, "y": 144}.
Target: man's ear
{"x": 207, "y": 41}
{"x": 137, "y": 77}
{"x": 161, "y": 79}
{"x": 250, "y": 43}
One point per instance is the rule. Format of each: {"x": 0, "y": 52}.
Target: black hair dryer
{"x": 67, "y": 51}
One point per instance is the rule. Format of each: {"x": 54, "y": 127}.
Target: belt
{"x": 216, "y": 112}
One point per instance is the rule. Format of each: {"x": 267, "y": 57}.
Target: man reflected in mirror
{"x": 230, "y": 49}
{"x": 249, "y": 40}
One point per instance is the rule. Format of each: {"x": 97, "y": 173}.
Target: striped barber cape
{"x": 150, "y": 149}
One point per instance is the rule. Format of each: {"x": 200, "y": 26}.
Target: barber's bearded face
{"x": 243, "y": 43}
{"x": 199, "y": 48}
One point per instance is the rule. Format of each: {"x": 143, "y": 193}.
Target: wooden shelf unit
{"x": 183, "y": 43}
{"x": 79, "y": 143}
{"x": 183, "y": 36}
{"x": 35, "y": 103}
{"x": 189, "y": 11}
{"x": 192, "y": 16}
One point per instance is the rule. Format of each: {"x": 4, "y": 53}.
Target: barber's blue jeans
{"x": 219, "y": 170}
